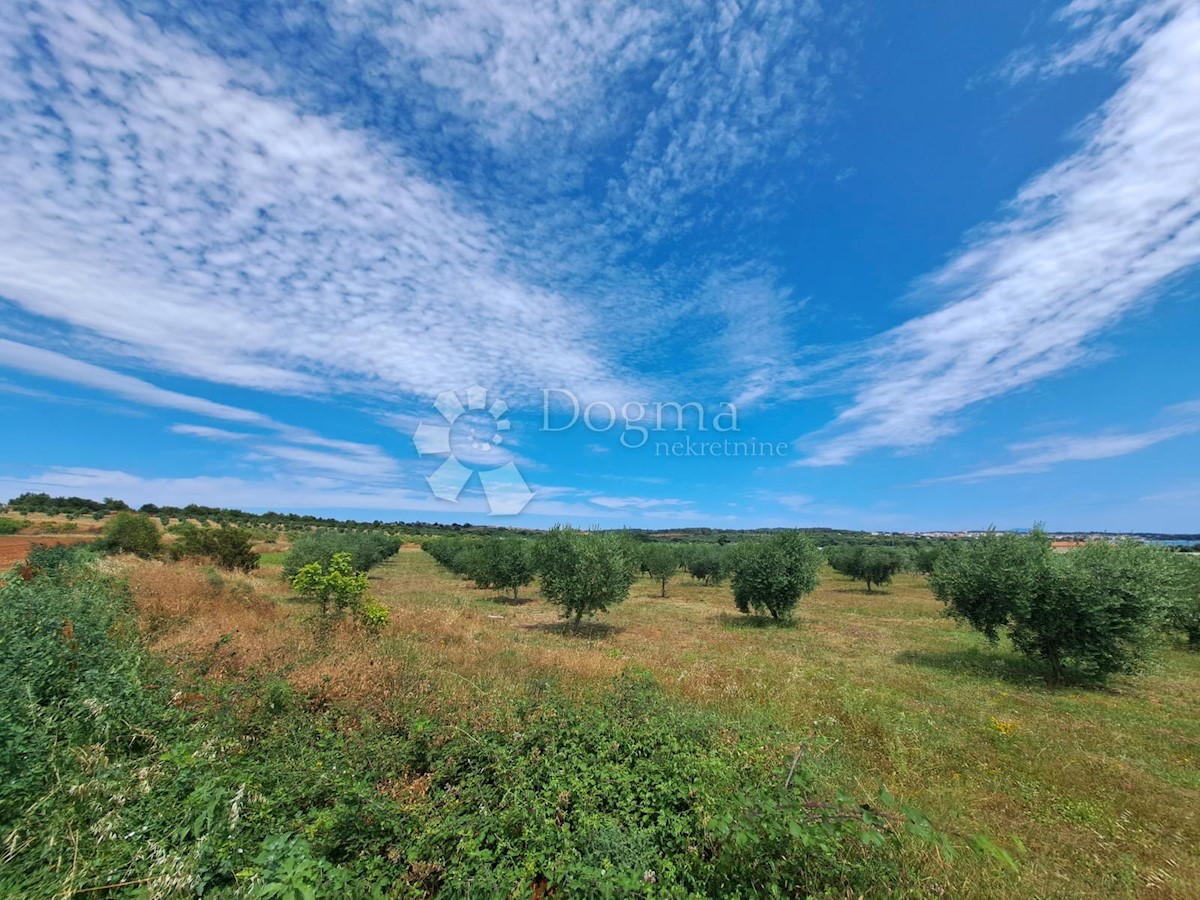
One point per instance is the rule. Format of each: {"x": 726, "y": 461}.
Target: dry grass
{"x": 1101, "y": 787}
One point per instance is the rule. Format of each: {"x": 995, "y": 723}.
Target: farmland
{"x": 1086, "y": 790}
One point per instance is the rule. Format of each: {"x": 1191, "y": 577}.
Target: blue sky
{"x": 943, "y": 259}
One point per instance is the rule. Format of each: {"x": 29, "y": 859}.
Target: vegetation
{"x": 874, "y": 565}
{"x": 1183, "y": 611}
{"x": 51, "y": 506}
{"x": 10, "y": 526}
{"x": 770, "y": 575}
{"x": 708, "y": 563}
{"x": 1091, "y": 613}
{"x": 365, "y": 549}
{"x": 584, "y": 573}
{"x": 334, "y": 587}
{"x": 130, "y": 532}
{"x": 230, "y": 548}
{"x": 504, "y": 564}
{"x": 661, "y": 562}
{"x": 273, "y": 794}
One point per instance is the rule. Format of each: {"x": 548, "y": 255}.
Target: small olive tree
{"x": 1092, "y": 612}
{"x": 661, "y": 562}
{"x": 585, "y": 573}
{"x": 770, "y": 575}
{"x": 502, "y": 563}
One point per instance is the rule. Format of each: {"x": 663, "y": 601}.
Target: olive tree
{"x": 874, "y": 565}
{"x": 1183, "y": 613}
{"x": 1092, "y": 612}
{"x": 585, "y": 573}
{"x": 771, "y": 574}
{"x": 661, "y": 562}
{"x": 708, "y": 564}
{"x": 502, "y": 563}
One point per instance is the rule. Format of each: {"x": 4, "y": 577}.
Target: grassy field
{"x": 1095, "y": 792}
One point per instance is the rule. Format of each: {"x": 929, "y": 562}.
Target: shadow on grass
{"x": 861, "y": 592}
{"x": 591, "y": 631}
{"x": 982, "y": 664}
{"x": 728, "y": 620}
{"x": 506, "y": 600}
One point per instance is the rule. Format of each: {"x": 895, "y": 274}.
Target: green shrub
{"x": 64, "y": 681}
{"x": 230, "y": 548}
{"x": 584, "y": 573}
{"x": 334, "y": 587}
{"x": 49, "y": 559}
{"x": 1183, "y": 613}
{"x": 10, "y": 526}
{"x": 1093, "y": 612}
{"x": 366, "y": 550}
{"x": 771, "y": 574}
{"x": 374, "y": 615}
{"x": 129, "y": 532}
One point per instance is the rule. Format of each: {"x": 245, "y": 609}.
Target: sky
{"x": 863, "y": 265}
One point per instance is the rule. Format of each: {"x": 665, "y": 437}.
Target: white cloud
{"x": 654, "y": 504}
{"x": 1046, "y": 453}
{"x": 1086, "y": 243}
{"x": 665, "y": 103}
{"x": 209, "y": 433}
{"x": 48, "y": 364}
{"x": 167, "y": 205}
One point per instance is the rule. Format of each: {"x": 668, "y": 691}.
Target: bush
{"x": 1092, "y": 612}
{"x": 129, "y": 532}
{"x": 505, "y": 564}
{"x": 585, "y": 573}
{"x": 366, "y": 550}
{"x": 64, "y": 681}
{"x": 1183, "y": 612}
{"x": 334, "y": 587}
{"x": 10, "y": 526}
{"x": 230, "y": 548}
{"x": 771, "y": 574}
{"x": 660, "y": 562}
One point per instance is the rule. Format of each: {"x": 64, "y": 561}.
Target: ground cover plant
{"x": 268, "y": 793}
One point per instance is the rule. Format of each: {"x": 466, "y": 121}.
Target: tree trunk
{"x": 664, "y": 584}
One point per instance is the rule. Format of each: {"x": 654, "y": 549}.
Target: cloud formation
{"x": 1084, "y": 245}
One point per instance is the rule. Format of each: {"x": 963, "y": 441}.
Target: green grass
{"x": 1094, "y": 791}
{"x": 454, "y": 742}
{"x": 119, "y": 773}
{"x": 271, "y": 559}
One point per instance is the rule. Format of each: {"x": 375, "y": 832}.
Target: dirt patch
{"x": 14, "y": 548}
